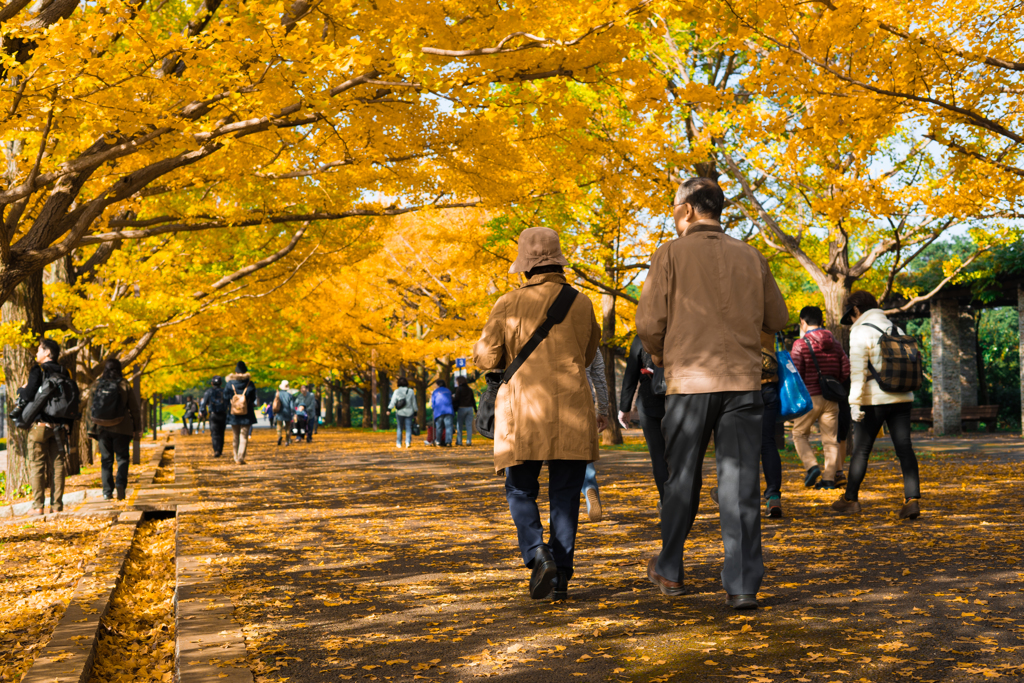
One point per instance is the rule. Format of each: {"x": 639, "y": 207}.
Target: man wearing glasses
{"x": 706, "y": 300}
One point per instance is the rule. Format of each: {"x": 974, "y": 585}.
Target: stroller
{"x": 300, "y": 423}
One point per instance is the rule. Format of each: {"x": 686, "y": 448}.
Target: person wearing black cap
{"x": 240, "y": 394}
{"x": 216, "y": 406}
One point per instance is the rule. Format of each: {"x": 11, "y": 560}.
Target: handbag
{"x": 831, "y": 388}
{"x": 556, "y": 314}
{"x": 794, "y": 399}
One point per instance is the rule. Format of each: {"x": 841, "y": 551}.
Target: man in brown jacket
{"x": 705, "y": 302}
{"x": 545, "y": 413}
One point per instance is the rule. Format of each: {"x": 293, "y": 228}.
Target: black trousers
{"x": 895, "y": 416}
{"x": 734, "y": 417}
{"x": 217, "y": 425}
{"x": 652, "y": 411}
{"x": 565, "y": 480}
{"x": 114, "y": 446}
{"x": 771, "y": 461}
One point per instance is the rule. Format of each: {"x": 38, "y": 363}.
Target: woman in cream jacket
{"x": 871, "y": 406}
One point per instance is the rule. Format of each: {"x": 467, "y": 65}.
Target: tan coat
{"x": 546, "y": 412}
{"x": 705, "y": 302}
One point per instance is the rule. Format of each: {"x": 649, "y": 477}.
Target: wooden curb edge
{"x": 68, "y": 656}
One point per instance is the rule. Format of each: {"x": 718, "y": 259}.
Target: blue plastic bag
{"x": 793, "y": 395}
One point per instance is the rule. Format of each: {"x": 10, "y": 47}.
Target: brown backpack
{"x": 239, "y": 406}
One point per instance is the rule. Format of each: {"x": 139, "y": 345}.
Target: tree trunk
{"x": 345, "y": 406}
{"x": 613, "y": 434}
{"x": 366, "y": 394}
{"x": 25, "y": 306}
{"x": 835, "y": 294}
{"x": 444, "y": 370}
{"x": 63, "y": 271}
{"x": 420, "y": 380}
{"x": 383, "y": 399}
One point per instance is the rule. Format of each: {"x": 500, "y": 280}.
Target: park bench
{"x": 986, "y": 414}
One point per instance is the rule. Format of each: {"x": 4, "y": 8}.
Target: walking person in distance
{"x": 403, "y": 402}
{"x": 879, "y": 395}
{"x": 705, "y": 302}
{"x": 283, "y": 409}
{"x": 444, "y": 414}
{"x": 464, "y": 402}
{"x": 217, "y": 406}
{"x": 116, "y": 419}
{"x": 240, "y": 393}
{"x": 307, "y": 400}
{"x": 817, "y": 355}
{"x": 544, "y": 335}
{"x": 647, "y": 381}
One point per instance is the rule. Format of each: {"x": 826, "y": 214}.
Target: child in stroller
{"x": 300, "y": 423}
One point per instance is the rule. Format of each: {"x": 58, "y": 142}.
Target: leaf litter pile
{"x": 136, "y": 641}
{"x": 41, "y": 563}
{"x": 347, "y": 559}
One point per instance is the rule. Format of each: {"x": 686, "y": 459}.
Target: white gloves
{"x": 856, "y": 414}
{"x": 622, "y": 420}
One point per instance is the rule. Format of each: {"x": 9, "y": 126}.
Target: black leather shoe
{"x": 544, "y": 571}
{"x": 561, "y": 583}
{"x": 743, "y": 601}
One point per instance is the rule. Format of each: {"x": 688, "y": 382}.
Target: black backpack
{"x": 215, "y": 402}
{"x": 109, "y": 403}
{"x": 57, "y": 399}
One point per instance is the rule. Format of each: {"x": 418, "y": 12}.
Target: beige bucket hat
{"x": 538, "y": 247}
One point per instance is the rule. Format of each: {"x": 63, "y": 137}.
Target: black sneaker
{"x": 773, "y": 508}
{"x": 825, "y": 484}
{"x": 812, "y": 476}
{"x": 840, "y": 478}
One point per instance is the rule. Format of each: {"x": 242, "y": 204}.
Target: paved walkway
{"x": 346, "y": 559}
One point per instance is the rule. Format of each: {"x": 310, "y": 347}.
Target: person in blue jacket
{"x": 444, "y": 414}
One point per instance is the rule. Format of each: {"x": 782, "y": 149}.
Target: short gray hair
{"x": 703, "y": 194}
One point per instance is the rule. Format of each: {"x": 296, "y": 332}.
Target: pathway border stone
{"x": 209, "y": 644}
{"x": 68, "y": 656}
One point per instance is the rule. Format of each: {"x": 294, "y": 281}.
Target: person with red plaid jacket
{"x": 817, "y": 343}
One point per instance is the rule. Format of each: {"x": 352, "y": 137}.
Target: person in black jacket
{"x": 240, "y": 384}
{"x": 650, "y": 404}
{"x": 46, "y": 459}
{"x": 217, "y": 406}
{"x": 464, "y": 402}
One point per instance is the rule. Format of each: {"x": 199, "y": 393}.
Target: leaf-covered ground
{"x": 348, "y": 559}
{"x": 40, "y": 565}
{"x": 136, "y": 641}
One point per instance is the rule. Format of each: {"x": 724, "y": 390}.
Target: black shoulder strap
{"x": 814, "y": 357}
{"x": 872, "y": 372}
{"x": 556, "y": 314}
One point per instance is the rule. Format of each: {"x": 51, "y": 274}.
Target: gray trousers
{"x": 734, "y": 417}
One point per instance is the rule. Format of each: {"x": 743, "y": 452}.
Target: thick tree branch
{"x": 281, "y": 218}
{"x": 925, "y": 297}
{"x": 253, "y": 267}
